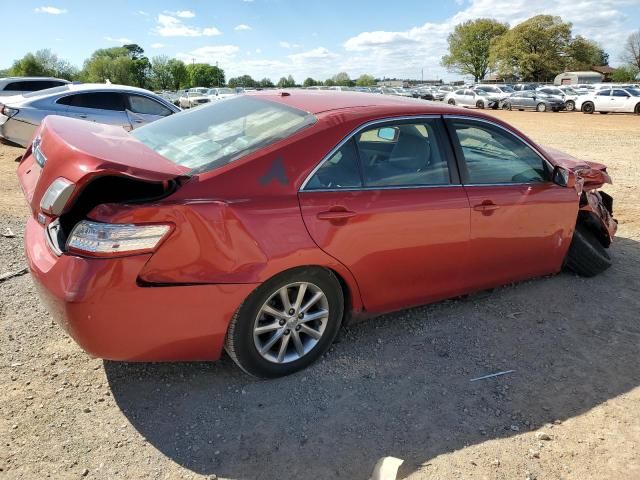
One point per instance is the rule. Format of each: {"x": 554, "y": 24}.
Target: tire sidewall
{"x": 246, "y": 353}
{"x": 588, "y": 107}
{"x": 451, "y": 101}
{"x": 570, "y": 105}
{"x": 541, "y": 107}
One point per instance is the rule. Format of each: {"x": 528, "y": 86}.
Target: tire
{"x": 541, "y": 107}
{"x": 604, "y": 113}
{"x": 451, "y": 101}
{"x": 570, "y": 105}
{"x": 506, "y": 106}
{"x": 588, "y": 107}
{"x": 479, "y": 104}
{"x": 586, "y": 256}
{"x": 242, "y": 342}
{"x": 637, "y": 109}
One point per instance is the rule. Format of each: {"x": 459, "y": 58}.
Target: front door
{"x": 521, "y": 222}
{"x": 389, "y": 206}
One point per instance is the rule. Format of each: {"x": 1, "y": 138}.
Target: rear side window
{"x": 147, "y": 106}
{"x": 96, "y": 100}
{"x": 620, "y": 93}
{"x": 211, "y": 136}
{"x": 492, "y": 155}
{"x": 32, "y": 85}
{"x": 604, "y": 93}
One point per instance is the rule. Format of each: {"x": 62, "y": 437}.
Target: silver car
{"x": 20, "y": 85}
{"x": 128, "y": 107}
{"x": 472, "y": 98}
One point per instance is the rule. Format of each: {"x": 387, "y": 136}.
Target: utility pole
{"x": 422, "y": 75}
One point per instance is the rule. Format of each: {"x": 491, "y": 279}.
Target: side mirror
{"x": 388, "y": 133}
{"x": 564, "y": 177}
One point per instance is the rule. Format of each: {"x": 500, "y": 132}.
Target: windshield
{"x": 225, "y": 90}
{"x": 507, "y": 89}
{"x": 209, "y": 137}
{"x": 634, "y": 91}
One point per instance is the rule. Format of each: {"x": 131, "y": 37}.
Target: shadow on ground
{"x": 399, "y": 385}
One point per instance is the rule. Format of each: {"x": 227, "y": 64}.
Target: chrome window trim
{"x": 405, "y": 187}
{"x": 349, "y": 137}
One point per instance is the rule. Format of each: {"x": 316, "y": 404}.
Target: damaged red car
{"x": 261, "y": 224}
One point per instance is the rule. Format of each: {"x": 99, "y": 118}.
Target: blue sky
{"x": 280, "y": 37}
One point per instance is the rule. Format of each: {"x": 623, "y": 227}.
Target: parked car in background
{"x": 338, "y": 88}
{"x": 533, "y": 100}
{"x": 472, "y": 98}
{"x": 497, "y": 91}
{"x": 123, "y": 106}
{"x": 568, "y": 95}
{"x": 172, "y": 97}
{"x": 20, "y": 85}
{"x": 425, "y": 93}
{"x": 194, "y": 97}
{"x": 221, "y": 92}
{"x": 524, "y": 86}
{"x": 167, "y": 243}
{"x": 614, "y": 100}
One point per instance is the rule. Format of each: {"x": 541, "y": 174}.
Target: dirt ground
{"x": 398, "y": 385}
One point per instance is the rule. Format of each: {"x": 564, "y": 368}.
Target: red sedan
{"x": 260, "y": 224}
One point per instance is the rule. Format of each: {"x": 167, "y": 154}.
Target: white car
{"x": 472, "y": 98}
{"x": 194, "y": 97}
{"x": 10, "y": 86}
{"x": 220, "y": 93}
{"x": 568, "y": 96}
{"x": 615, "y": 100}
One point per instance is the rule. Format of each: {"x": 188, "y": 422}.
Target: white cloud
{"x": 50, "y": 10}
{"x": 288, "y": 45}
{"x": 181, "y": 13}
{"x": 142, "y": 13}
{"x": 120, "y": 40}
{"x": 169, "y": 26}
{"x": 210, "y": 54}
{"x": 157, "y": 45}
{"x": 242, "y": 27}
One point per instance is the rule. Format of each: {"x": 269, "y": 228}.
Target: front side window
{"x": 620, "y": 93}
{"x": 147, "y": 106}
{"x": 341, "y": 170}
{"x": 604, "y": 93}
{"x": 211, "y": 136}
{"x": 493, "y": 156}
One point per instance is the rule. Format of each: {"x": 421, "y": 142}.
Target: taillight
{"x": 110, "y": 239}
{"x": 57, "y": 195}
{"x": 8, "y": 111}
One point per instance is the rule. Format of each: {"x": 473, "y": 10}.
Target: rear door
{"x": 602, "y": 100}
{"x": 388, "y": 204}
{"x": 101, "y": 107}
{"x": 521, "y": 222}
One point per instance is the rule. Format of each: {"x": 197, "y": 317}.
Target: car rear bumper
{"x": 102, "y": 306}
{"x": 15, "y": 132}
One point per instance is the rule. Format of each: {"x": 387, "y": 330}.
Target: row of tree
{"x": 128, "y": 65}
{"x": 535, "y": 50}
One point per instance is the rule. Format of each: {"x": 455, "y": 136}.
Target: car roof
{"x": 31, "y": 79}
{"x": 319, "y": 101}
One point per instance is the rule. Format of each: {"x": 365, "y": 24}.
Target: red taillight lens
{"x": 8, "y": 111}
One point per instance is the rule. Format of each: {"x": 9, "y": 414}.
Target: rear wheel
{"x": 541, "y": 107}
{"x": 586, "y": 255}
{"x": 451, "y": 101}
{"x": 587, "y": 107}
{"x": 286, "y": 323}
{"x": 479, "y": 104}
{"x": 570, "y": 105}
{"x": 506, "y": 106}
{"x": 637, "y": 109}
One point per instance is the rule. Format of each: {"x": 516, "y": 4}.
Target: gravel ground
{"x": 398, "y": 385}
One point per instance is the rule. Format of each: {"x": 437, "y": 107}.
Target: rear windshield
{"x": 209, "y": 137}
{"x": 48, "y": 91}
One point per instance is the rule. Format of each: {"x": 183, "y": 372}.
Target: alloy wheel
{"x": 291, "y": 322}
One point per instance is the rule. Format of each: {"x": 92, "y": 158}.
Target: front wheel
{"x": 286, "y": 323}
{"x": 637, "y": 109}
{"x": 506, "y": 106}
{"x": 541, "y": 107}
{"x": 451, "y": 101}
{"x": 586, "y": 256}
{"x": 588, "y": 107}
{"x": 570, "y": 105}
{"x": 479, "y": 104}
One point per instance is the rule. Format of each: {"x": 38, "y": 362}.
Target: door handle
{"x": 341, "y": 214}
{"x": 486, "y": 207}
{"x": 83, "y": 116}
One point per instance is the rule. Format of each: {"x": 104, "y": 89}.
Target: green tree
{"x": 242, "y": 81}
{"x": 43, "y": 63}
{"x": 160, "y": 73}
{"x": 286, "y": 82}
{"x": 205, "y": 75}
{"x": 626, "y": 73}
{"x": 179, "y": 74}
{"x": 342, "y": 79}
{"x": 631, "y": 50}
{"x": 113, "y": 64}
{"x": 141, "y": 66}
{"x": 266, "y": 83}
{"x": 309, "y": 82}
{"x": 365, "y": 80}
{"x": 470, "y": 46}
{"x": 329, "y": 82}
{"x": 583, "y": 53}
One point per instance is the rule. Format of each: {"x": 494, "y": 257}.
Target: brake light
{"x": 8, "y": 111}
{"x": 57, "y": 195}
{"x": 108, "y": 239}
